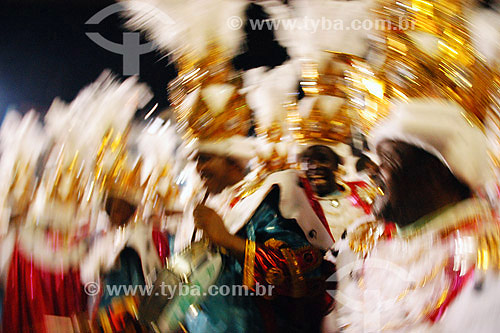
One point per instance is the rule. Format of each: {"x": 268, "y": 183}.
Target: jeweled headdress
{"x": 88, "y": 138}
{"x": 199, "y": 36}
{"x": 341, "y": 93}
{"x": 427, "y": 50}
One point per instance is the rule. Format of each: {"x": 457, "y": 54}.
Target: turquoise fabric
{"x": 227, "y": 313}
{"x": 127, "y": 271}
{"x": 240, "y": 313}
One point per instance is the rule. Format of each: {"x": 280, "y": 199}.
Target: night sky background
{"x": 44, "y": 52}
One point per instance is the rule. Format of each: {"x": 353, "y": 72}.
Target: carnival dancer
{"x": 121, "y": 264}
{"x": 343, "y": 202}
{"x": 274, "y": 234}
{"x": 39, "y": 263}
{"x": 327, "y": 115}
{"x": 272, "y": 230}
{"x": 438, "y": 270}
{"x": 61, "y": 190}
{"x": 123, "y": 261}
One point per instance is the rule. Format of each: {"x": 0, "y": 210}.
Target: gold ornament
{"x": 193, "y": 94}
{"x": 347, "y": 81}
{"x": 275, "y": 276}
{"x": 427, "y": 52}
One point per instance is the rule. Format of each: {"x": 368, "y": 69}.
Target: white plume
{"x": 282, "y": 15}
{"x": 104, "y": 105}
{"x": 157, "y": 144}
{"x": 485, "y": 28}
{"x": 328, "y": 25}
{"x": 268, "y": 90}
{"x": 22, "y": 142}
{"x": 189, "y": 26}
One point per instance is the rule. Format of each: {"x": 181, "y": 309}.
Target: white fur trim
{"x": 34, "y": 244}
{"x": 342, "y": 216}
{"x": 105, "y": 251}
{"x": 440, "y": 128}
{"x": 294, "y": 204}
{"x": 240, "y": 148}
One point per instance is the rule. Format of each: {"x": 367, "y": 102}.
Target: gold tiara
{"x": 428, "y": 52}
{"x": 347, "y": 95}
{"x": 206, "y": 99}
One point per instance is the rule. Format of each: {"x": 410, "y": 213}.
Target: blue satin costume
{"x": 243, "y": 313}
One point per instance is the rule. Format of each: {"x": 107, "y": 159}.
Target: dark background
{"x": 44, "y": 52}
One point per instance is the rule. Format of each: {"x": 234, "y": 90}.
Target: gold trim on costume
{"x": 488, "y": 249}
{"x": 297, "y": 278}
{"x": 104, "y": 321}
{"x": 249, "y": 267}
{"x": 275, "y": 276}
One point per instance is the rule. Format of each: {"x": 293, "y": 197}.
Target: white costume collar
{"x": 448, "y": 217}
{"x": 106, "y": 250}
{"x": 34, "y": 244}
{"x": 294, "y": 204}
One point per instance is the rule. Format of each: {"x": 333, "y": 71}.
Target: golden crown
{"x": 428, "y": 53}
{"x": 206, "y": 98}
{"x": 346, "y": 94}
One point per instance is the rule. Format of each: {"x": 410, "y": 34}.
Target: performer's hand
{"x": 211, "y": 223}
{"x": 213, "y": 226}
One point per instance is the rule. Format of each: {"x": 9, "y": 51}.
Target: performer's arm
{"x": 285, "y": 261}
{"x": 213, "y": 226}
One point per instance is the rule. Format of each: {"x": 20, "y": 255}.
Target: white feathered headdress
{"x": 22, "y": 143}
{"x": 87, "y": 136}
{"x": 189, "y": 27}
{"x": 441, "y": 127}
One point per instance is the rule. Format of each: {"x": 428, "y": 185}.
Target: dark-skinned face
{"x": 415, "y": 183}
{"x": 387, "y": 171}
{"x": 320, "y": 164}
{"x": 119, "y": 211}
{"x": 218, "y": 172}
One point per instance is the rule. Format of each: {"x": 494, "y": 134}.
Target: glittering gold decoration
{"x": 363, "y": 238}
{"x": 275, "y": 276}
{"x": 274, "y": 243}
{"x": 117, "y": 173}
{"x": 299, "y": 286}
{"x": 488, "y": 249}
{"x": 195, "y": 118}
{"x": 367, "y": 194}
{"x": 427, "y": 52}
{"x": 346, "y": 77}
{"x": 249, "y": 267}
